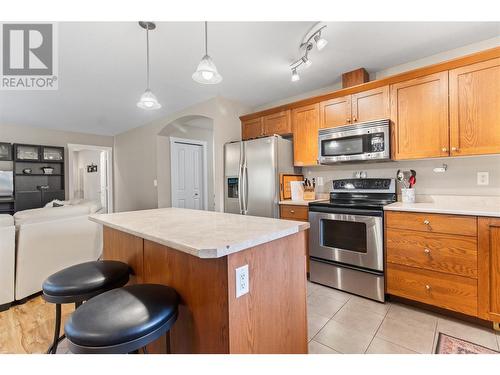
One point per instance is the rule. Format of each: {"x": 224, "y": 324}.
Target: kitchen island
{"x": 197, "y": 253}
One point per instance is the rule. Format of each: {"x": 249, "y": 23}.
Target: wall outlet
{"x": 483, "y": 178}
{"x": 242, "y": 281}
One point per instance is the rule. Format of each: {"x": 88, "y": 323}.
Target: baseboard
{"x": 5, "y": 306}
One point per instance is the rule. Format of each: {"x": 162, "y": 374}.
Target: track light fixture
{"x": 306, "y": 46}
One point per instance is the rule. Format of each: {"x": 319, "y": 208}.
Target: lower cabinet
{"x": 489, "y": 268}
{"x": 299, "y": 213}
{"x": 433, "y": 260}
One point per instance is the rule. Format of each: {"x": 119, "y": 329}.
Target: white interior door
{"x": 187, "y": 175}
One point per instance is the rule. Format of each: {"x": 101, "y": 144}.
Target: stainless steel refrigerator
{"x": 251, "y": 175}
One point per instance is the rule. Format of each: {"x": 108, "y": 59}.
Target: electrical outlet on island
{"x": 242, "y": 281}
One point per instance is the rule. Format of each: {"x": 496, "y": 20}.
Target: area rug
{"x": 452, "y": 345}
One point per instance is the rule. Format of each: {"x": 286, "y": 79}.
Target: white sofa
{"x": 7, "y": 260}
{"x": 52, "y": 238}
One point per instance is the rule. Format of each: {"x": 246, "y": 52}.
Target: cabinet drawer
{"x": 433, "y": 251}
{"x": 292, "y": 212}
{"x": 451, "y": 292}
{"x": 433, "y": 223}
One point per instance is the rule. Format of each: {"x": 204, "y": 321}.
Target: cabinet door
{"x": 278, "y": 123}
{"x": 335, "y": 112}
{"x": 475, "y": 108}
{"x": 371, "y": 105}
{"x": 419, "y": 109}
{"x": 252, "y": 128}
{"x": 488, "y": 257}
{"x": 305, "y": 125}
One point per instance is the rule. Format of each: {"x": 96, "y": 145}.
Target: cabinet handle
{"x": 355, "y": 119}
{"x": 427, "y": 222}
{"x": 427, "y": 251}
{"x": 348, "y": 120}
{"x": 455, "y": 149}
{"x": 428, "y": 287}
{"x": 292, "y": 211}
{"x": 444, "y": 149}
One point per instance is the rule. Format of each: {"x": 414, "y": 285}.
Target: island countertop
{"x": 204, "y": 234}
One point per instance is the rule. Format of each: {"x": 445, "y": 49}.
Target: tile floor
{"x": 339, "y": 322}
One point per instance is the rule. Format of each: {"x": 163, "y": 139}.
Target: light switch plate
{"x": 483, "y": 178}
{"x": 242, "y": 281}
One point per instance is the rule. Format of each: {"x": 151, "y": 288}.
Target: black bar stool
{"x": 123, "y": 320}
{"x": 80, "y": 283}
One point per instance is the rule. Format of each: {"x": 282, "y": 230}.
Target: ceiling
{"x": 102, "y": 66}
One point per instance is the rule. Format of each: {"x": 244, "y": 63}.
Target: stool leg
{"x": 167, "y": 338}
{"x": 57, "y": 328}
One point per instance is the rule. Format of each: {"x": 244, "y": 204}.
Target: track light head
{"x": 306, "y": 61}
{"x": 295, "y": 75}
{"x": 320, "y": 42}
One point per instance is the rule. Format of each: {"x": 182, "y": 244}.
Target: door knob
{"x": 292, "y": 211}
{"x": 427, "y": 222}
{"x": 195, "y": 194}
{"x": 444, "y": 149}
{"x": 427, "y": 251}
{"x": 428, "y": 287}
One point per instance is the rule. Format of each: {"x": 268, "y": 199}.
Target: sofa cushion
{"x": 6, "y": 221}
{"x": 49, "y": 213}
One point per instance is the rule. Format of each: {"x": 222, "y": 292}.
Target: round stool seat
{"x": 85, "y": 280}
{"x": 122, "y": 320}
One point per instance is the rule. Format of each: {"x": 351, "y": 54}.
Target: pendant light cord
{"x": 206, "y": 39}
{"x": 147, "y": 57}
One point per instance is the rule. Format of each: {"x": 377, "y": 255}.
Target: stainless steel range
{"x": 346, "y": 241}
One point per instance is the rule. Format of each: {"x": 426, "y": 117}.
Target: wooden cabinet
{"x": 419, "y": 110}
{"x": 370, "y": 105}
{"x": 252, "y": 128}
{"x": 275, "y": 123}
{"x": 299, "y": 213}
{"x": 489, "y": 268}
{"x": 363, "y": 106}
{"x": 278, "y": 123}
{"x": 475, "y": 109}
{"x": 335, "y": 112}
{"x": 305, "y": 125}
{"x": 433, "y": 259}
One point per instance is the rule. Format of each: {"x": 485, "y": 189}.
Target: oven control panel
{"x": 371, "y": 184}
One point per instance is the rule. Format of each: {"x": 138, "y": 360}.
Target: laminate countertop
{"x": 205, "y": 234}
{"x": 451, "y": 204}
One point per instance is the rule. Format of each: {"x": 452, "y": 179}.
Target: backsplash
{"x": 459, "y": 179}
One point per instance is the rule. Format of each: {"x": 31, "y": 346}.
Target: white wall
{"x": 31, "y": 135}
{"x": 137, "y": 154}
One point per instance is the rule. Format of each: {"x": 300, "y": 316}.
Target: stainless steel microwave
{"x": 363, "y": 141}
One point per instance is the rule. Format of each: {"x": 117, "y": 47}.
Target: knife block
{"x": 309, "y": 193}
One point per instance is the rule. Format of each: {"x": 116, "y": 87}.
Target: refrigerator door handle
{"x": 240, "y": 188}
{"x": 245, "y": 193}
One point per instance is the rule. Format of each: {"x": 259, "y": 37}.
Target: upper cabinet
{"x": 275, "y": 123}
{"x": 419, "y": 111}
{"x": 371, "y": 105}
{"x": 305, "y": 125}
{"x": 335, "y": 112}
{"x": 252, "y": 128}
{"x": 363, "y": 106}
{"x": 278, "y": 123}
{"x": 475, "y": 109}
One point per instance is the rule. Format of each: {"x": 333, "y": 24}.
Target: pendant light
{"x": 206, "y": 73}
{"x": 148, "y": 100}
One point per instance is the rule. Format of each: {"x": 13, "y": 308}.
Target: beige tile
{"x": 343, "y": 338}
{"x": 379, "y": 346}
{"x": 317, "y": 348}
{"x": 314, "y": 323}
{"x": 413, "y": 316}
{"x": 321, "y": 290}
{"x": 399, "y": 332}
{"x": 467, "y": 331}
{"x": 322, "y": 305}
{"x": 368, "y": 306}
{"x": 357, "y": 319}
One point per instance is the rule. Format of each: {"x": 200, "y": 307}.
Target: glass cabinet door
{"x": 53, "y": 153}
{"x": 27, "y": 152}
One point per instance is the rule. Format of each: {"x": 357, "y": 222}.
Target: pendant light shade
{"x": 206, "y": 73}
{"x": 148, "y": 100}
